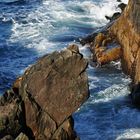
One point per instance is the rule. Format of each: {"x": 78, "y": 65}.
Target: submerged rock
{"x": 113, "y": 17}
{"x": 43, "y": 99}
{"x": 122, "y": 6}
{"x": 135, "y": 94}
{"x": 116, "y": 15}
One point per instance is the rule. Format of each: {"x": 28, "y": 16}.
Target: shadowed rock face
{"x": 11, "y": 117}
{"x": 48, "y": 93}
{"x": 56, "y": 86}
{"x": 126, "y": 30}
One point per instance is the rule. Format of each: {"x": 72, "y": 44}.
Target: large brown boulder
{"x": 53, "y": 89}
{"x": 46, "y": 96}
{"x": 126, "y": 31}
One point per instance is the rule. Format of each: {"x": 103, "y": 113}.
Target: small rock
{"x": 41, "y": 102}
{"x": 122, "y": 6}
{"x": 114, "y": 17}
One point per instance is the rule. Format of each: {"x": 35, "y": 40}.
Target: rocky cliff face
{"x": 127, "y": 31}
{"x": 40, "y": 104}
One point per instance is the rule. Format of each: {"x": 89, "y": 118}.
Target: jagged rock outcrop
{"x": 127, "y": 31}
{"x": 102, "y": 53}
{"x": 122, "y": 6}
{"x": 40, "y": 104}
{"x": 113, "y": 17}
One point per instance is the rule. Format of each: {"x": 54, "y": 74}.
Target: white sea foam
{"x": 125, "y": 1}
{"x": 113, "y": 92}
{"x": 130, "y": 134}
{"x": 53, "y": 18}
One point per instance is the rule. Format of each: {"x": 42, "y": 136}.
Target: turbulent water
{"x": 32, "y": 28}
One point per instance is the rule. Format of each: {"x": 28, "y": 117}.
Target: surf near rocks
{"x": 125, "y": 33}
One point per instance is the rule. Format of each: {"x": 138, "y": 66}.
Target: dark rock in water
{"x": 122, "y": 6}
{"x": 114, "y": 17}
{"x": 40, "y": 104}
{"x": 135, "y": 94}
{"x": 88, "y": 39}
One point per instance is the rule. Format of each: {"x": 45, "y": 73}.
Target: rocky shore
{"x": 40, "y": 103}
{"x": 127, "y": 31}
{"x": 124, "y": 33}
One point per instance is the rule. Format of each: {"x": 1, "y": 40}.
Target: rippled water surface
{"x": 32, "y": 28}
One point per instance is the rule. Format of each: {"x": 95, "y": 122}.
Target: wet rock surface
{"x": 40, "y": 104}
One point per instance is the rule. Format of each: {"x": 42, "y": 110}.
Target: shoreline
{"x": 125, "y": 32}
{"x": 102, "y": 56}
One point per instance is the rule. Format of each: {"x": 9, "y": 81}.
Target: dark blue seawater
{"x": 32, "y": 28}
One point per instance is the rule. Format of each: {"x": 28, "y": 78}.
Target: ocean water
{"x": 32, "y": 28}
